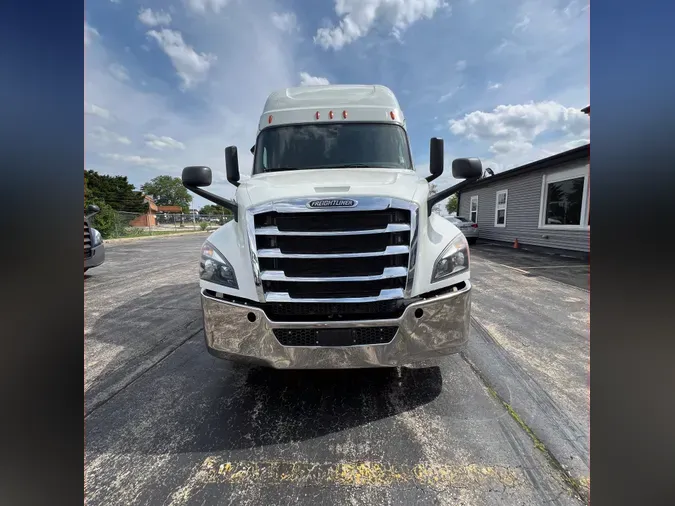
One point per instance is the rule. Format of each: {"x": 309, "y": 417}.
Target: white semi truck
{"x": 333, "y": 258}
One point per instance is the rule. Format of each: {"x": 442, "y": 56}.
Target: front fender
{"x": 434, "y": 235}
{"x": 232, "y": 241}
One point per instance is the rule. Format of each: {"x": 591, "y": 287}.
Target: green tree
{"x": 211, "y": 209}
{"x": 168, "y": 191}
{"x": 451, "y": 204}
{"x": 115, "y": 191}
{"x": 108, "y": 221}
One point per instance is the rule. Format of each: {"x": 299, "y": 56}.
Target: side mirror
{"x": 197, "y": 175}
{"x": 92, "y": 210}
{"x": 435, "y": 158}
{"x": 232, "y": 165}
{"x": 466, "y": 168}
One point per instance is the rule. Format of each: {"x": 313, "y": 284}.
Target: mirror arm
{"x": 431, "y": 177}
{"x": 227, "y": 204}
{"x": 442, "y": 195}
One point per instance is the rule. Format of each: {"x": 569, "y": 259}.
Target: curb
{"x": 122, "y": 240}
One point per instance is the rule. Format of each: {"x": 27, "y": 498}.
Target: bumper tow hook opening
{"x": 419, "y": 313}
{"x": 251, "y": 317}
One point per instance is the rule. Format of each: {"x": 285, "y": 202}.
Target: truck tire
{"x": 472, "y": 240}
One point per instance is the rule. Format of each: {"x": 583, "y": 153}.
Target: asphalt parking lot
{"x": 166, "y": 423}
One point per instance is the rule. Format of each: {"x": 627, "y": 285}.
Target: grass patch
{"x": 581, "y": 485}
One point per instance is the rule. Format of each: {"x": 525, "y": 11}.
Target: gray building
{"x": 541, "y": 204}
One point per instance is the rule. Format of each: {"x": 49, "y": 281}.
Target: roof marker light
{"x": 344, "y": 114}
{"x": 330, "y": 114}
{"x": 392, "y": 115}
{"x": 269, "y": 119}
{"x": 317, "y": 115}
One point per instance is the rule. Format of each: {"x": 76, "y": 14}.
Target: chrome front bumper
{"x": 442, "y": 329}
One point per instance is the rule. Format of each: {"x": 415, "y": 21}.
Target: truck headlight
{"x": 215, "y": 268}
{"x": 96, "y": 238}
{"x": 454, "y": 259}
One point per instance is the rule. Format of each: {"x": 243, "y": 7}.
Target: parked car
{"x": 467, "y": 227}
{"x": 94, "y": 251}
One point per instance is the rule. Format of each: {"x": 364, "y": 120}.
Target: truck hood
{"x": 396, "y": 183}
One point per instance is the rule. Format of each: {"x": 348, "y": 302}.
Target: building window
{"x": 500, "y": 208}
{"x": 473, "y": 212}
{"x": 564, "y": 200}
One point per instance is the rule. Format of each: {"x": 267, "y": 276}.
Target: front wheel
{"x": 472, "y": 240}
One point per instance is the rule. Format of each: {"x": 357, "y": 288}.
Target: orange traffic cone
{"x": 515, "y": 244}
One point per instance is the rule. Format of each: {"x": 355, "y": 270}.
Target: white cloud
{"x": 201, "y": 6}
{"x": 308, "y": 80}
{"x": 89, "y": 33}
{"x": 225, "y": 112}
{"x": 115, "y": 1}
{"x": 494, "y": 86}
{"x": 514, "y": 128}
{"x": 94, "y": 110}
{"x": 119, "y": 71}
{"x": 522, "y": 24}
{"x": 286, "y": 21}
{"x": 162, "y": 142}
{"x": 460, "y": 65}
{"x": 191, "y": 66}
{"x": 132, "y": 159}
{"x": 358, "y": 17}
{"x": 107, "y": 137}
{"x": 510, "y": 146}
{"x": 152, "y": 18}
{"x": 449, "y": 94}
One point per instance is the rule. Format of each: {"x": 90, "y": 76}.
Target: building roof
{"x": 170, "y": 209}
{"x": 586, "y": 109}
{"x": 571, "y": 155}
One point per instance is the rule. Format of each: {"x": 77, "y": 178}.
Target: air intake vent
{"x": 358, "y": 336}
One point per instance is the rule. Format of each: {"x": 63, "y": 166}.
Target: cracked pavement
{"x": 167, "y": 423}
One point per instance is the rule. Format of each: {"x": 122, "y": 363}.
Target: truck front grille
{"x": 305, "y": 255}
{"x": 356, "y": 336}
{"x": 87, "y": 240}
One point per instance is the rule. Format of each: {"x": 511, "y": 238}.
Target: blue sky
{"x": 172, "y": 83}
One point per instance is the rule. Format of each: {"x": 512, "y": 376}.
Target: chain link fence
{"x": 116, "y": 224}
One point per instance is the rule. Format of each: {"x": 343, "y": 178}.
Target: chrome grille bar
{"x": 389, "y": 273}
{"x": 391, "y": 228}
{"x": 394, "y": 293}
{"x": 390, "y": 250}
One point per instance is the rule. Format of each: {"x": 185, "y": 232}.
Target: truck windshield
{"x": 324, "y": 146}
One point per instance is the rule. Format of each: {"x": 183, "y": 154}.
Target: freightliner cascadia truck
{"x": 333, "y": 258}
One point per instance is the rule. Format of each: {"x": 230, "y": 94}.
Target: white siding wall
{"x": 522, "y": 214}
